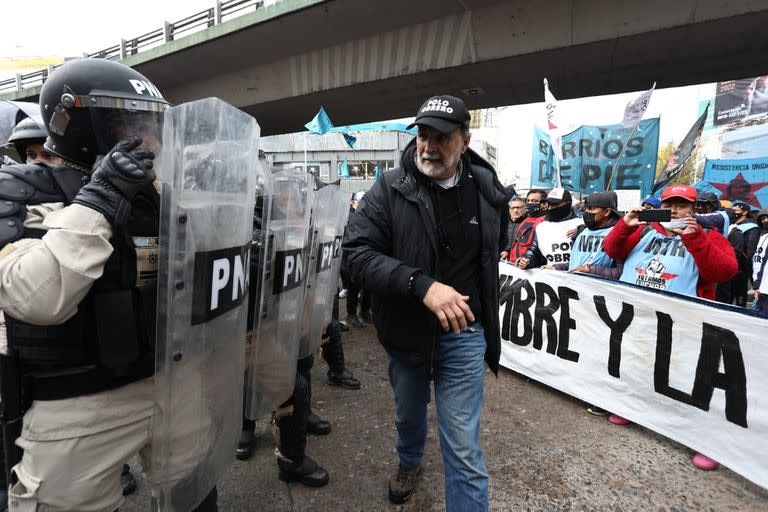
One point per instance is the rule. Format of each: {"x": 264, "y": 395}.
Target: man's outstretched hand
{"x": 449, "y": 306}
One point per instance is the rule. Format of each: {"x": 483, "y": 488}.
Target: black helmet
{"x": 87, "y": 104}
{"x": 26, "y": 131}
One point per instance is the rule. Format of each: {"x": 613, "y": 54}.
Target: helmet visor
{"x": 110, "y": 126}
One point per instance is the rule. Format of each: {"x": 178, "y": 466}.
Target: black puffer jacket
{"x": 392, "y": 237}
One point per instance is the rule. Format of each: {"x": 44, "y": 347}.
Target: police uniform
{"x": 78, "y": 290}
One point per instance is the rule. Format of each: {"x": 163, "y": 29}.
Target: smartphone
{"x": 655, "y": 215}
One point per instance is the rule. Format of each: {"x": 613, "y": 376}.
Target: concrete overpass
{"x": 369, "y": 60}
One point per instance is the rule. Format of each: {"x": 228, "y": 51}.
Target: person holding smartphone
{"x": 677, "y": 256}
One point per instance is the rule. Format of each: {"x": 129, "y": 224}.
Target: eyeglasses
{"x": 516, "y": 207}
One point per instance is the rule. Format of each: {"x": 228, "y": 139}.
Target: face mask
{"x": 589, "y": 220}
{"x": 559, "y": 213}
{"x": 673, "y": 224}
{"x": 532, "y": 208}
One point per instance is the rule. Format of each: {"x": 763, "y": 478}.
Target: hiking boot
{"x": 127, "y": 481}
{"x": 367, "y": 316}
{"x": 245, "y": 445}
{"x": 353, "y": 321}
{"x": 317, "y": 425}
{"x": 402, "y": 485}
{"x": 596, "y": 411}
{"x": 307, "y": 473}
{"x": 345, "y": 379}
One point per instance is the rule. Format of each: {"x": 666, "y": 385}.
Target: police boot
{"x": 306, "y": 472}
{"x": 353, "y": 321}
{"x": 210, "y": 503}
{"x": 317, "y": 425}
{"x": 127, "y": 480}
{"x": 247, "y": 441}
{"x": 333, "y": 353}
{"x": 367, "y": 316}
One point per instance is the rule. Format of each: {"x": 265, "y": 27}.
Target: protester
{"x": 587, "y": 254}
{"x": 736, "y": 287}
{"x": 751, "y": 235}
{"x": 551, "y": 240}
{"x": 676, "y": 256}
{"x": 535, "y": 211}
{"x": 758, "y": 264}
{"x": 650, "y": 202}
{"x": 439, "y": 215}
{"x": 517, "y": 215}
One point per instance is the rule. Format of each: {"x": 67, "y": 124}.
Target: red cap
{"x": 684, "y": 191}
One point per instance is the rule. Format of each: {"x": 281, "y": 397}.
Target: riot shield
{"x": 275, "y": 340}
{"x": 324, "y": 263}
{"x": 207, "y": 169}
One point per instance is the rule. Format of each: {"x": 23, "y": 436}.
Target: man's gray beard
{"x": 435, "y": 174}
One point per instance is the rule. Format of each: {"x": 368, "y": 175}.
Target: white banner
{"x": 690, "y": 369}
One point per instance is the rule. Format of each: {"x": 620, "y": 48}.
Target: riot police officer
{"x": 28, "y": 138}
{"x": 78, "y": 287}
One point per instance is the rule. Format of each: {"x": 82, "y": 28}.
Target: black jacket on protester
{"x": 392, "y": 237}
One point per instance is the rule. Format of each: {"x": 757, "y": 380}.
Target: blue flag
{"x": 344, "y": 169}
{"x": 591, "y": 154}
{"x": 350, "y": 139}
{"x": 321, "y": 124}
{"x": 376, "y": 172}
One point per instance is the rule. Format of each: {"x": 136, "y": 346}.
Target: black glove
{"x": 116, "y": 179}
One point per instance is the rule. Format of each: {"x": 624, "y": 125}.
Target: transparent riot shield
{"x": 275, "y": 340}
{"x": 207, "y": 169}
{"x": 325, "y": 251}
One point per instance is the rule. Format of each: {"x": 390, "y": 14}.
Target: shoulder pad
{"x": 12, "y": 215}
{"x": 30, "y": 184}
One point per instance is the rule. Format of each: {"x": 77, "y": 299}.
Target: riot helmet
{"x": 88, "y": 105}
{"x": 26, "y": 131}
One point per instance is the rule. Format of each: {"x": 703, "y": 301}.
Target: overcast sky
{"x": 67, "y": 29}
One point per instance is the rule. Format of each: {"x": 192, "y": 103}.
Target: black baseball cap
{"x": 707, "y": 197}
{"x": 602, "y": 200}
{"x": 443, "y": 113}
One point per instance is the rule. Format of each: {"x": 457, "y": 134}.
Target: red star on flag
{"x": 750, "y": 199}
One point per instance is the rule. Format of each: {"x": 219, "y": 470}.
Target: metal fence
{"x": 222, "y": 10}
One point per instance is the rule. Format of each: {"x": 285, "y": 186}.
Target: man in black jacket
{"x": 425, "y": 242}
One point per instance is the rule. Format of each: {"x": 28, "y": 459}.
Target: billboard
{"x": 737, "y": 99}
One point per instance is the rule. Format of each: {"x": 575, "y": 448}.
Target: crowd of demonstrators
{"x": 552, "y": 238}
{"x": 521, "y": 237}
{"x": 421, "y": 242}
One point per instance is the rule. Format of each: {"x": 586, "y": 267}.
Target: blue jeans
{"x": 458, "y": 401}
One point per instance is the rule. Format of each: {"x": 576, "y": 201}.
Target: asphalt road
{"x": 543, "y": 453}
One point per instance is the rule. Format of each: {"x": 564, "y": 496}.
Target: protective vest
{"x": 523, "y": 237}
{"x": 588, "y": 249}
{"x": 554, "y": 243}
{"x": 661, "y": 262}
{"x": 109, "y": 342}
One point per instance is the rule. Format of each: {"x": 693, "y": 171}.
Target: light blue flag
{"x": 344, "y": 169}
{"x": 350, "y": 139}
{"x": 321, "y": 124}
{"x": 376, "y": 172}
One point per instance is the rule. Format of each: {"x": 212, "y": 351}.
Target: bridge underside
{"x": 706, "y": 52}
